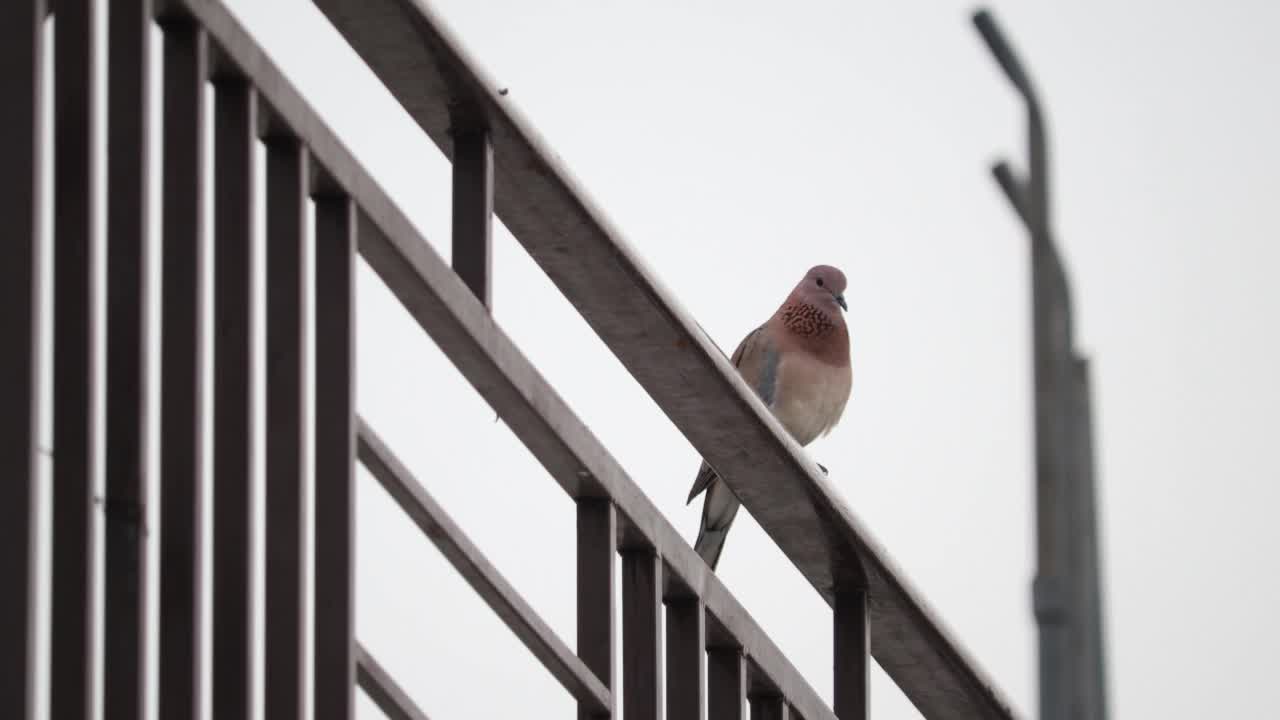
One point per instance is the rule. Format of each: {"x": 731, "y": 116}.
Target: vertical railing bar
{"x": 128, "y": 166}
{"x": 686, "y": 658}
{"x": 768, "y": 707}
{"x": 180, "y": 662}
{"x": 641, "y": 634}
{"x": 235, "y": 110}
{"x": 74, "y": 410}
{"x": 726, "y": 683}
{"x": 21, "y": 54}
{"x": 852, "y": 655}
{"x": 285, "y": 615}
{"x": 473, "y": 211}
{"x": 335, "y": 243}
{"x": 597, "y": 548}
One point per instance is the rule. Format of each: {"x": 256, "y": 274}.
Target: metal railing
{"x": 500, "y": 165}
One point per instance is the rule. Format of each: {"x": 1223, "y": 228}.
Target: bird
{"x": 797, "y": 362}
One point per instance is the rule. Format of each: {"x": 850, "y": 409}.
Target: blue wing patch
{"x": 767, "y": 384}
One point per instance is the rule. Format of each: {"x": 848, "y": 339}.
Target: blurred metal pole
{"x": 1093, "y": 640}
{"x": 1066, "y": 594}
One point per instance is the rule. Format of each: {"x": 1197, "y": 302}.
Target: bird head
{"x": 823, "y": 286}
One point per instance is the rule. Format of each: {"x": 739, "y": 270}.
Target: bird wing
{"x": 757, "y": 362}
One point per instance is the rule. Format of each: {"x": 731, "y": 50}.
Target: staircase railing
{"x": 500, "y": 165}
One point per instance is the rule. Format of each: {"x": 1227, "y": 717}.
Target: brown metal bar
{"x": 467, "y": 559}
{"x": 473, "y": 212}
{"x": 768, "y": 707}
{"x": 128, "y": 166}
{"x": 335, "y": 230}
{"x": 597, "y": 549}
{"x": 447, "y": 310}
{"x": 641, "y": 634}
{"x": 425, "y": 67}
{"x": 726, "y": 683}
{"x": 182, "y": 358}
{"x": 71, "y": 640}
{"x": 390, "y": 698}
{"x": 21, "y": 53}
{"x": 686, "y": 658}
{"x": 852, "y": 655}
{"x": 285, "y": 616}
{"x": 235, "y": 121}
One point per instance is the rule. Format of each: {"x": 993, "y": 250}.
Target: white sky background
{"x": 737, "y": 144}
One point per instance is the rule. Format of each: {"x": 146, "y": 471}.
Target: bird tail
{"x": 718, "y": 511}
{"x": 710, "y": 543}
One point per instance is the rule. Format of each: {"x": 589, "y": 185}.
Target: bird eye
{"x": 819, "y": 282}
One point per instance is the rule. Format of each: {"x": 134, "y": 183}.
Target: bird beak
{"x": 843, "y": 304}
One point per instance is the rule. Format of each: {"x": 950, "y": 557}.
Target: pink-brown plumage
{"x": 798, "y": 363}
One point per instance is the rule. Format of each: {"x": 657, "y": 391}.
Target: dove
{"x": 797, "y": 362}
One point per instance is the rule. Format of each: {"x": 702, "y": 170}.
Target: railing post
{"x": 473, "y": 211}
{"x": 852, "y": 655}
{"x": 128, "y": 169}
{"x": 335, "y": 457}
{"x": 686, "y": 657}
{"x": 726, "y": 683}
{"x": 21, "y": 53}
{"x": 182, "y": 357}
{"x": 287, "y": 206}
{"x": 71, "y": 639}
{"x": 597, "y": 548}
{"x": 641, "y": 638}
{"x": 769, "y": 707}
{"x": 235, "y": 113}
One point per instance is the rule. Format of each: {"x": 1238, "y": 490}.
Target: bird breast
{"x": 811, "y": 396}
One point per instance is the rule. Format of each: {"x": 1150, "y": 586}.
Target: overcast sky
{"x": 738, "y": 143}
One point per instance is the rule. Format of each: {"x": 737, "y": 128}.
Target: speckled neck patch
{"x": 806, "y": 320}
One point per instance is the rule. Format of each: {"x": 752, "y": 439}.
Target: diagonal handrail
{"x": 507, "y": 166}
{"x": 378, "y": 684}
{"x": 488, "y": 583}
{"x": 462, "y": 328}
{"x": 426, "y": 68}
